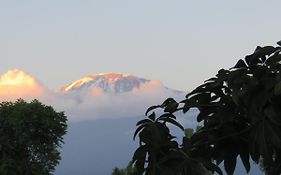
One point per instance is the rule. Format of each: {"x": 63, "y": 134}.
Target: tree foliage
{"x": 117, "y": 171}
{"x": 30, "y": 134}
{"x": 240, "y": 109}
{"x": 129, "y": 170}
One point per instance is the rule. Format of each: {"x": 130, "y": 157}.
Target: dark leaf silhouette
{"x": 240, "y": 112}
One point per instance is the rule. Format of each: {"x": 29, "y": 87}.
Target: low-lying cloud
{"x": 96, "y": 104}
{"x": 86, "y": 104}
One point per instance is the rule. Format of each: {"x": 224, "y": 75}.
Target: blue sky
{"x": 179, "y": 42}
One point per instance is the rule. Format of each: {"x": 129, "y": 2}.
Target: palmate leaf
{"x": 247, "y": 95}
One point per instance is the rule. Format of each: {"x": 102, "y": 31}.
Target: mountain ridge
{"x": 108, "y": 82}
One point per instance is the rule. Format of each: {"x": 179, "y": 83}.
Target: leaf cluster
{"x": 240, "y": 109}
{"x": 159, "y": 152}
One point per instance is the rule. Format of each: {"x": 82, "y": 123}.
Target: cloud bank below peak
{"x": 97, "y": 96}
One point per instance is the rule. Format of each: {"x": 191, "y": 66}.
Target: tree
{"x": 240, "y": 109}
{"x": 129, "y": 170}
{"x": 30, "y": 135}
{"x": 117, "y": 171}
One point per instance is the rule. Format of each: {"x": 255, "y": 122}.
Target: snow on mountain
{"x": 109, "y": 82}
{"x": 108, "y": 95}
{"x": 97, "y": 96}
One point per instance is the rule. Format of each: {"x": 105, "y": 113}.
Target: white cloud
{"x": 89, "y": 104}
{"x": 18, "y": 84}
{"x": 86, "y": 105}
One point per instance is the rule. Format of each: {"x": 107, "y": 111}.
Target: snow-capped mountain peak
{"x": 108, "y": 82}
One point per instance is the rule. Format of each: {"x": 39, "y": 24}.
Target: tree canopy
{"x": 240, "y": 109}
{"x": 30, "y": 135}
{"x": 129, "y": 170}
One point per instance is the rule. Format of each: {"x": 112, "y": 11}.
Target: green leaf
{"x": 171, "y": 107}
{"x": 261, "y": 52}
{"x": 138, "y": 130}
{"x": 168, "y": 100}
{"x": 248, "y": 58}
{"x": 274, "y": 59}
{"x": 140, "y": 153}
{"x": 245, "y": 160}
{"x": 185, "y": 108}
{"x": 254, "y": 152}
{"x": 240, "y": 64}
{"x": 188, "y": 132}
{"x": 211, "y": 80}
{"x": 272, "y": 114}
{"x": 152, "y": 116}
{"x": 206, "y": 113}
{"x": 212, "y": 167}
{"x": 273, "y": 133}
{"x": 222, "y": 72}
{"x": 139, "y": 158}
{"x": 173, "y": 122}
{"x": 277, "y": 89}
{"x": 167, "y": 115}
{"x": 230, "y": 164}
{"x": 152, "y": 108}
{"x": 144, "y": 121}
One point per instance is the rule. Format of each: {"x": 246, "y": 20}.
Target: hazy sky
{"x": 179, "y": 42}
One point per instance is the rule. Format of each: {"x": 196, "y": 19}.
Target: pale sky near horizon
{"x": 178, "y": 42}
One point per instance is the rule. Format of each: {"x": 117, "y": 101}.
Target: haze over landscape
{"x": 102, "y": 111}
{"x": 105, "y": 62}
{"x": 101, "y": 108}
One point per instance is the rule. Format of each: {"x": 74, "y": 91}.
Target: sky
{"x": 180, "y": 42}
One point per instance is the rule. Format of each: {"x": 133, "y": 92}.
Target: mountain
{"x": 109, "y": 95}
{"x": 108, "y": 82}
{"x": 97, "y": 96}
{"x": 102, "y": 111}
